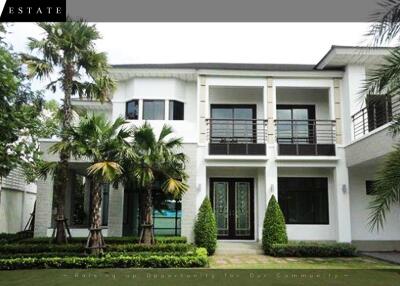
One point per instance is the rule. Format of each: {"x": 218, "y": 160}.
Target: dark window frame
{"x": 153, "y": 100}
{"x": 126, "y": 109}
{"x": 311, "y": 111}
{"x": 369, "y": 187}
{"x": 232, "y": 106}
{"x": 325, "y": 220}
{"x": 173, "y": 108}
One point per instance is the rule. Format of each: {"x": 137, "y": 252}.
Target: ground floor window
{"x": 167, "y": 212}
{"x": 304, "y": 200}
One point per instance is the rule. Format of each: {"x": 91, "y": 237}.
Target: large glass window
{"x": 304, "y": 200}
{"x": 132, "y": 110}
{"x": 176, "y": 110}
{"x": 153, "y": 109}
{"x": 233, "y": 123}
{"x": 296, "y": 123}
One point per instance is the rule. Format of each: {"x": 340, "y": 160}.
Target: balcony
{"x": 376, "y": 114}
{"x": 237, "y": 136}
{"x": 306, "y": 137}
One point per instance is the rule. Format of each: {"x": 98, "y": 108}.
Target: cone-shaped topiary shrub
{"x": 205, "y": 228}
{"x": 274, "y": 229}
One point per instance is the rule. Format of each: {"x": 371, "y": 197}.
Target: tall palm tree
{"x": 105, "y": 144}
{"x": 68, "y": 52}
{"x": 382, "y": 82}
{"x": 155, "y": 158}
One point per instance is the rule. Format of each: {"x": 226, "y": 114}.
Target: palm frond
{"x": 175, "y": 187}
{"x": 386, "y": 189}
{"x": 165, "y": 131}
{"x": 387, "y": 22}
{"x": 108, "y": 171}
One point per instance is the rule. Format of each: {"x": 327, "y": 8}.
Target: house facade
{"x": 303, "y": 133}
{"x": 17, "y": 202}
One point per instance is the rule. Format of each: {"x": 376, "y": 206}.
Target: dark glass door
{"x": 233, "y": 123}
{"x": 233, "y": 205}
{"x": 296, "y": 124}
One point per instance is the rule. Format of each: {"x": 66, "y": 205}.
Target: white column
{"x": 44, "y": 205}
{"x": 341, "y": 188}
{"x": 115, "y": 211}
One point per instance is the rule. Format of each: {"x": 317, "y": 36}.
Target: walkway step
{"x": 238, "y": 247}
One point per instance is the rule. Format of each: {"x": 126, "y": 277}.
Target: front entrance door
{"x": 233, "y": 204}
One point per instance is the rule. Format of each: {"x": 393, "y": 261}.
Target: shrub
{"x": 80, "y": 248}
{"x": 8, "y": 237}
{"x": 313, "y": 249}
{"x": 274, "y": 228}
{"x": 197, "y": 259}
{"x": 110, "y": 240}
{"x": 205, "y": 228}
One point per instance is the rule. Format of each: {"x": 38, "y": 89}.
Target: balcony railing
{"x": 374, "y": 115}
{"x": 306, "y": 137}
{"x": 237, "y": 136}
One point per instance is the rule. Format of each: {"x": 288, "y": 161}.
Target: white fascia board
{"x": 275, "y": 74}
{"x": 307, "y": 82}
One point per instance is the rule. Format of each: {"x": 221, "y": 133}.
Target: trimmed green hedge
{"x": 205, "y": 228}
{"x": 312, "y": 249}
{"x": 197, "y": 259}
{"x": 79, "y": 247}
{"x": 274, "y": 227}
{"x": 8, "y": 237}
{"x": 110, "y": 240}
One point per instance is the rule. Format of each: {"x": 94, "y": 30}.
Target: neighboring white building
{"x": 300, "y": 132}
{"x": 17, "y": 200}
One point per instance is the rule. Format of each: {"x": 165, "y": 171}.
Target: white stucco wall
{"x": 162, "y": 89}
{"x": 359, "y": 200}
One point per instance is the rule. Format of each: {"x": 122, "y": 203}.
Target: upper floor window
{"x": 153, "y": 109}
{"x": 176, "y": 110}
{"x": 132, "y": 109}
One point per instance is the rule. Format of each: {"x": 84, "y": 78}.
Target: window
{"x": 233, "y": 123}
{"x": 304, "y": 200}
{"x": 296, "y": 123}
{"x": 176, "y": 110}
{"x": 369, "y": 187}
{"x": 153, "y": 109}
{"x": 132, "y": 110}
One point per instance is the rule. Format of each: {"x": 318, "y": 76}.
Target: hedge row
{"x": 8, "y": 237}
{"x": 79, "y": 247}
{"x": 109, "y": 240}
{"x": 197, "y": 259}
{"x": 311, "y": 249}
{"x": 83, "y": 254}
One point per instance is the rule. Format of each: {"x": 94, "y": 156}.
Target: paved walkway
{"x": 391, "y": 256}
{"x": 237, "y": 247}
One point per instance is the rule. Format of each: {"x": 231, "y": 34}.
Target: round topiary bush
{"x": 205, "y": 228}
{"x": 274, "y": 228}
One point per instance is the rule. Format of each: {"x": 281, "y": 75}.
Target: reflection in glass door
{"x": 220, "y": 199}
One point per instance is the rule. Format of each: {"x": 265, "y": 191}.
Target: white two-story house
{"x": 303, "y": 133}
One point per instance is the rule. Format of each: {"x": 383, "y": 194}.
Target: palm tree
{"x": 67, "y": 50}
{"x": 156, "y": 158}
{"x": 105, "y": 145}
{"x": 382, "y": 82}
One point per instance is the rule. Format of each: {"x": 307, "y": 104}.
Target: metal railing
{"x": 239, "y": 131}
{"x": 306, "y": 131}
{"x": 237, "y": 136}
{"x": 374, "y": 115}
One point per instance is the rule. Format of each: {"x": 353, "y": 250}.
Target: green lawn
{"x": 268, "y": 262}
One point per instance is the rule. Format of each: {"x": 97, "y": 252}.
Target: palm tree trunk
{"x": 96, "y": 240}
{"x": 62, "y": 178}
{"x": 147, "y": 226}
